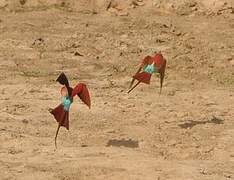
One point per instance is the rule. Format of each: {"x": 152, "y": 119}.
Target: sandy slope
{"x": 185, "y": 134}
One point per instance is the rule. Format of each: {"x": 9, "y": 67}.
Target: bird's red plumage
{"x": 81, "y": 90}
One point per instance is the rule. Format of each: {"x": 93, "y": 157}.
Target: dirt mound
{"x": 182, "y": 7}
{"x": 186, "y": 7}
{"x": 72, "y": 5}
{"x": 219, "y": 6}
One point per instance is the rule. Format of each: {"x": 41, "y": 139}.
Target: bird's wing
{"x": 82, "y": 91}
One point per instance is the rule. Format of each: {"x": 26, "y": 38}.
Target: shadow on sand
{"x": 123, "y": 142}
{"x": 191, "y": 123}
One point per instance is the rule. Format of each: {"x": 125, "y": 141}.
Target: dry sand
{"x": 187, "y": 133}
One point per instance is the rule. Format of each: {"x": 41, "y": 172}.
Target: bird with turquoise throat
{"x": 149, "y": 66}
{"x": 61, "y": 112}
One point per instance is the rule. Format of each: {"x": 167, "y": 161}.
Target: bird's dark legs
{"x": 133, "y": 79}
{"x": 55, "y": 139}
{"x": 134, "y": 86}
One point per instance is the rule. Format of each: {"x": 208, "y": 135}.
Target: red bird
{"x": 150, "y": 65}
{"x": 61, "y": 112}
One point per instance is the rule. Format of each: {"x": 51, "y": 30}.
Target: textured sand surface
{"x": 187, "y": 133}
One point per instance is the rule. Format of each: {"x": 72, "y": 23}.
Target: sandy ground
{"x": 187, "y": 133}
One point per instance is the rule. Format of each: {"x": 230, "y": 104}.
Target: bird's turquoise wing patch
{"x": 66, "y": 101}
{"x": 150, "y": 69}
